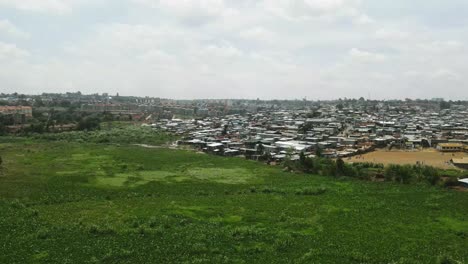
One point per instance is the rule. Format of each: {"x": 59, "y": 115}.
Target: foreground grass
{"x": 88, "y": 203}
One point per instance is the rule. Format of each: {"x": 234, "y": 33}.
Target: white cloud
{"x": 363, "y": 19}
{"x": 54, "y": 6}
{"x": 366, "y": 56}
{"x": 190, "y": 11}
{"x": 442, "y": 46}
{"x": 210, "y": 7}
{"x": 224, "y": 51}
{"x": 446, "y": 74}
{"x": 133, "y": 59}
{"x": 327, "y": 10}
{"x": 224, "y": 48}
{"x": 258, "y": 34}
{"x": 391, "y": 34}
{"x": 8, "y": 29}
{"x": 325, "y": 5}
{"x": 11, "y": 52}
{"x": 57, "y": 7}
{"x": 126, "y": 41}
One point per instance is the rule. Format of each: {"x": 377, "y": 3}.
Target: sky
{"x": 245, "y": 49}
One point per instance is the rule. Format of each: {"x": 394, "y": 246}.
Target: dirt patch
{"x": 459, "y": 188}
{"x": 425, "y": 157}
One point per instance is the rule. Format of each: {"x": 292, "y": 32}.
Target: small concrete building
{"x": 461, "y": 163}
{"x": 450, "y": 147}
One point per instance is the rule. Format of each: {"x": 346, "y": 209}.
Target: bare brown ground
{"x": 459, "y": 188}
{"x": 429, "y": 157}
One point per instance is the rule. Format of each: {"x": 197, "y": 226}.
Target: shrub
{"x": 142, "y": 230}
{"x": 446, "y": 260}
{"x": 431, "y": 175}
{"x": 100, "y": 230}
{"x": 269, "y": 189}
{"x": 245, "y": 232}
{"x": 399, "y": 173}
{"x": 153, "y": 222}
{"x": 311, "y": 191}
{"x": 17, "y": 204}
{"x": 34, "y": 213}
{"x": 43, "y": 233}
{"x": 283, "y": 243}
{"x": 341, "y": 168}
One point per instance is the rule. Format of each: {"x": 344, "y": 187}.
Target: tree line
{"x": 403, "y": 174}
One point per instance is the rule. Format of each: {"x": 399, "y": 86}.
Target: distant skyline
{"x": 243, "y": 49}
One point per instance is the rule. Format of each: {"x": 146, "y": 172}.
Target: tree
{"x": 318, "y": 152}
{"x": 225, "y": 130}
{"x": 38, "y": 102}
{"x": 309, "y": 165}
{"x": 288, "y": 163}
{"x": 340, "y": 167}
{"x": 302, "y": 158}
{"x": 89, "y": 123}
{"x": 398, "y": 173}
{"x": 3, "y": 129}
{"x": 305, "y": 127}
{"x": 444, "y": 105}
{"x": 430, "y": 174}
{"x": 37, "y": 127}
{"x": 314, "y": 114}
{"x": 260, "y": 148}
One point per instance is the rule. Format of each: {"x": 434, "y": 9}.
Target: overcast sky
{"x": 319, "y": 49}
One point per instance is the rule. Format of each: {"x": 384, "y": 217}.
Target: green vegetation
{"x": 52, "y": 116}
{"x": 371, "y": 171}
{"x": 64, "y": 201}
{"x": 120, "y": 134}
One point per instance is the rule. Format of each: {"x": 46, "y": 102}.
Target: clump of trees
{"x": 409, "y": 173}
{"x": 321, "y": 166}
{"x": 445, "y": 105}
{"x": 89, "y": 123}
{"x": 336, "y": 168}
{"x": 45, "y": 119}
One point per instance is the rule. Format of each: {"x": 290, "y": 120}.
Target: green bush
{"x": 125, "y": 135}
{"x": 100, "y": 230}
{"x": 311, "y": 191}
{"x": 43, "y": 233}
{"x": 396, "y": 173}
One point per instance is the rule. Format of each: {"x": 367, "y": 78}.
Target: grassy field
{"x": 68, "y": 202}
{"x": 428, "y": 157}
{"x": 118, "y": 133}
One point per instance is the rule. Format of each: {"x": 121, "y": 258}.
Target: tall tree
{"x": 340, "y": 167}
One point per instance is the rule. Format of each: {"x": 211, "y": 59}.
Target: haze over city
{"x": 271, "y": 49}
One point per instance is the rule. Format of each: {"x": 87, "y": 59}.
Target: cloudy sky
{"x": 319, "y": 49}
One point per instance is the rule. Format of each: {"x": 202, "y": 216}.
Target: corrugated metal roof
{"x": 460, "y": 161}
{"x": 464, "y": 180}
{"x": 451, "y": 145}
